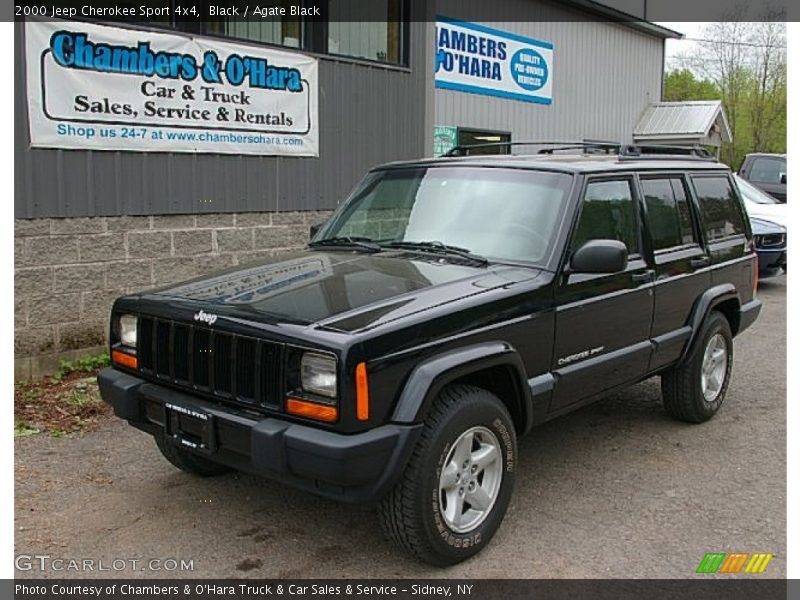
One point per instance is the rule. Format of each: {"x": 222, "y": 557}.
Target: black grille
{"x": 162, "y": 356}
{"x": 201, "y": 353}
{"x": 245, "y": 367}
{"x": 180, "y": 347}
{"x": 221, "y": 355}
{"x": 219, "y": 364}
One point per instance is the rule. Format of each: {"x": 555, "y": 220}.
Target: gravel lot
{"x": 614, "y": 490}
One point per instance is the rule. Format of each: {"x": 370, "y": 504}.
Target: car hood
{"x": 346, "y": 291}
{"x": 763, "y": 227}
{"x": 776, "y": 213}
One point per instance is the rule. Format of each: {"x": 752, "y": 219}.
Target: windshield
{"x": 753, "y": 194}
{"x": 502, "y": 214}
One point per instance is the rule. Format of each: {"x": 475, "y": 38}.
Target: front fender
{"x": 430, "y": 377}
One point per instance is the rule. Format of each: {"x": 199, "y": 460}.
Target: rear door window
{"x": 668, "y": 214}
{"x": 720, "y": 211}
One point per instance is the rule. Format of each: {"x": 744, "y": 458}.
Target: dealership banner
{"x": 481, "y": 60}
{"x": 59, "y": 587}
{"x": 111, "y": 88}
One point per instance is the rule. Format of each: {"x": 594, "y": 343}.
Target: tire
{"x": 188, "y": 462}
{"x": 685, "y": 396}
{"x": 422, "y": 517}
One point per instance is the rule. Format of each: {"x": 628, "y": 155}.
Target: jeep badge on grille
{"x": 206, "y": 317}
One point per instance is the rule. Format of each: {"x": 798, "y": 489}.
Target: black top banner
{"x": 159, "y": 11}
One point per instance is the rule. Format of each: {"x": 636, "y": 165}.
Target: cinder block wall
{"x": 67, "y": 272}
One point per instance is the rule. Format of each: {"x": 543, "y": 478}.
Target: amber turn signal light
{"x": 362, "y": 392}
{"x": 311, "y": 410}
{"x": 126, "y": 360}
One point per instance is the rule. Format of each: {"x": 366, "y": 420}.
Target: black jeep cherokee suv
{"x": 444, "y": 309}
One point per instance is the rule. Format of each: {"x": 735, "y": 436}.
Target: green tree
{"x": 681, "y": 85}
{"x": 767, "y": 91}
{"x": 744, "y": 62}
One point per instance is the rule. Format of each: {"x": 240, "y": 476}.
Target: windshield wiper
{"x": 362, "y": 243}
{"x": 438, "y": 248}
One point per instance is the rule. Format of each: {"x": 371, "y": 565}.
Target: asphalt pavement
{"x": 617, "y": 489}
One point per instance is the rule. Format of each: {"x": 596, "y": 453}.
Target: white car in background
{"x": 761, "y": 205}
{"x": 768, "y": 220}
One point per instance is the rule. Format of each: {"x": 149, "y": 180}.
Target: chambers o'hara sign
{"x": 477, "y": 59}
{"x": 111, "y": 88}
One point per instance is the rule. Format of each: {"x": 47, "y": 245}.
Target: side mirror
{"x": 600, "y": 256}
{"x": 783, "y": 178}
{"x": 314, "y": 229}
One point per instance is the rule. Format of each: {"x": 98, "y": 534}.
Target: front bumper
{"x": 352, "y": 468}
{"x": 771, "y": 262}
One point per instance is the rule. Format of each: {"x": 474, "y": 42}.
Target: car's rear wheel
{"x": 695, "y": 389}
{"x": 187, "y": 461}
{"x": 458, "y": 483}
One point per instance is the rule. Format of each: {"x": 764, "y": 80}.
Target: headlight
{"x": 127, "y": 330}
{"x": 318, "y": 374}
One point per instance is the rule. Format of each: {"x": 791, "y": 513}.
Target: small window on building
{"x": 720, "y": 211}
{"x": 283, "y": 31}
{"x": 767, "y": 170}
{"x": 608, "y": 213}
{"x": 668, "y": 213}
{"x": 476, "y": 137}
{"x": 370, "y": 29}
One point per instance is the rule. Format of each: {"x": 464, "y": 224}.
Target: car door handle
{"x": 643, "y": 277}
{"x": 699, "y": 262}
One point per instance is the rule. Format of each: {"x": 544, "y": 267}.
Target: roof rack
{"x": 624, "y": 151}
{"x": 659, "y": 152}
{"x": 586, "y": 144}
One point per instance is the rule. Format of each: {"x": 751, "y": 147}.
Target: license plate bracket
{"x": 190, "y": 427}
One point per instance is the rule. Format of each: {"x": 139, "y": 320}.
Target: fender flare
{"x": 704, "y": 305}
{"x": 430, "y": 377}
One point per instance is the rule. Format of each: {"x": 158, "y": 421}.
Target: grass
{"x": 22, "y": 429}
{"x": 67, "y": 402}
{"x": 30, "y": 394}
{"x": 84, "y": 364}
{"x": 77, "y": 397}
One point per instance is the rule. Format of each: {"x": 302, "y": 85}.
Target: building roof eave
{"x": 623, "y": 18}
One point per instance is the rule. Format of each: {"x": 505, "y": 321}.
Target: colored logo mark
{"x": 734, "y": 562}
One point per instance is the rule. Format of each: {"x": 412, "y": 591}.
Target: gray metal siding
{"x": 368, "y": 115}
{"x": 605, "y": 74}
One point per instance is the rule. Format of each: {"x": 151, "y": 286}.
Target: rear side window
{"x": 767, "y": 170}
{"x": 668, "y": 213}
{"x": 608, "y": 213}
{"x": 719, "y": 209}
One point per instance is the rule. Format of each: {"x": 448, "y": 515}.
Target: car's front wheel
{"x": 458, "y": 483}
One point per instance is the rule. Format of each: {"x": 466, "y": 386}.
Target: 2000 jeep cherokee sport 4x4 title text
{"x": 443, "y": 310}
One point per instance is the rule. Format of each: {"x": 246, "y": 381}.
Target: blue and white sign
{"x": 481, "y": 60}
